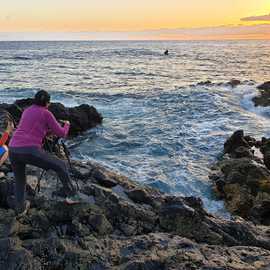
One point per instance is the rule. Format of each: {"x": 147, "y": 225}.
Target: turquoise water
{"x": 162, "y": 127}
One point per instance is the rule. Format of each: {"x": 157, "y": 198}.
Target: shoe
{"x": 74, "y": 199}
{"x": 21, "y": 212}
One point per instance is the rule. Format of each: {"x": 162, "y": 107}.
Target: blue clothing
{"x": 2, "y": 150}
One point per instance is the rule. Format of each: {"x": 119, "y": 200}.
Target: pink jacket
{"x": 36, "y": 122}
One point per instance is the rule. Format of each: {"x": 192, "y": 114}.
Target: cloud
{"x": 260, "y": 31}
{"x": 257, "y": 18}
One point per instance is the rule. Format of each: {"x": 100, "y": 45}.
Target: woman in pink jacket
{"x": 25, "y": 148}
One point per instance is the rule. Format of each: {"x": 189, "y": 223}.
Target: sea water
{"x": 165, "y": 117}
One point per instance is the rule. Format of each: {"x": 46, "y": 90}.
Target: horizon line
{"x": 222, "y": 32}
{"x": 133, "y": 40}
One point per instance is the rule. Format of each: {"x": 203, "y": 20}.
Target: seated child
{"x": 3, "y": 140}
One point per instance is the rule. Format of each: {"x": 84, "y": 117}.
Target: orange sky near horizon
{"x": 122, "y": 15}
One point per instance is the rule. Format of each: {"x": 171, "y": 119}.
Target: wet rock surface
{"x": 242, "y": 177}
{"x": 81, "y": 118}
{"x": 263, "y": 99}
{"x": 264, "y": 86}
{"x": 121, "y": 225}
{"x": 234, "y": 82}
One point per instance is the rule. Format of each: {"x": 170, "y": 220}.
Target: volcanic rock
{"x": 263, "y": 99}
{"x": 123, "y": 226}
{"x": 265, "y": 149}
{"x": 242, "y": 178}
{"x": 81, "y": 118}
{"x": 264, "y": 86}
{"x": 234, "y": 82}
{"x": 235, "y": 141}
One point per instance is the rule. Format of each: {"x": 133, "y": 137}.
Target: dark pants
{"x": 21, "y": 156}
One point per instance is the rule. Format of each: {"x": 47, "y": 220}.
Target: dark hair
{"x": 42, "y": 98}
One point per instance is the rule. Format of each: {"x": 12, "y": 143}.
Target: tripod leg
{"x": 37, "y": 188}
{"x": 77, "y": 184}
{"x": 72, "y": 170}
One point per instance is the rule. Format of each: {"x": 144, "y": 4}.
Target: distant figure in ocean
{"x": 166, "y": 52}
{"x": 25, "y": 148}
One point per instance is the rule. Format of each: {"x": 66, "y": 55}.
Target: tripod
{"x": 58, "y": 142}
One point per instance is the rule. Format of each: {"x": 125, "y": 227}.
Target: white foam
{"x": 248, "y": 105}
{"x": 257, "y": 153}
{"x": 68, "y": 102}
{"x": 216, "y": 208}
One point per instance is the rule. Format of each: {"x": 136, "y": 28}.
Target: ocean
{"x": 165, "y": 117}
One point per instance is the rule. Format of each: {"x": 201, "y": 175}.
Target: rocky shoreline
{"x": 242, "y": 177}
{"x": 123, "y": 225}
{"x": 263, "y": 99}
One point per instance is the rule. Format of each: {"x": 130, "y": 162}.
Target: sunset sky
{"x": 130, "y": 19}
